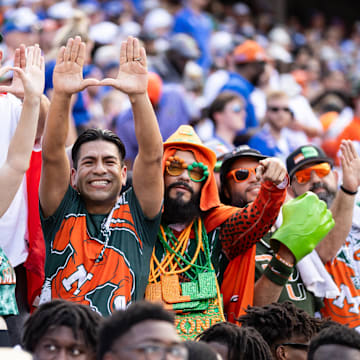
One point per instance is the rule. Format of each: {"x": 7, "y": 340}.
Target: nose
{"x": 184, "y": 176}
{"x": 99, "y": 167}
{"x": 62, "y": 355}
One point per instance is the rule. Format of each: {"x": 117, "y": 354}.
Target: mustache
{"x": 181, "y": 183}
{"x": 319, "y": 185}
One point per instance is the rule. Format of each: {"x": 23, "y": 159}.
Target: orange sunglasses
{"x": 241, "y": 174}
{"x": 321, "y": 170}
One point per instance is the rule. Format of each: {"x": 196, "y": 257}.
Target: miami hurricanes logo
{"x": 105, "y": 286}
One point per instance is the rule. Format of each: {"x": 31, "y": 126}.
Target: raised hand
{"x": 271, "y": 169}
{"x": 16, "y": 87}
{"x": 132, "y": 76}
{"x": 350, "y": 163}
{"x": 68, "y": 71}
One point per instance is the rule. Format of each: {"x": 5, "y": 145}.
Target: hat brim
{"x": 309, "y": 161}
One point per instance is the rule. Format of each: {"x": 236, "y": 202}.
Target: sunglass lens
{"x": 196, "y": 174}
{"x": 175, "y": 169}
{"x": 242, "y": 174}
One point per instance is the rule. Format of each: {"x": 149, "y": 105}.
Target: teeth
{"x": 99, "y": 182}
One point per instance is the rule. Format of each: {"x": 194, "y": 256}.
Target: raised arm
{"x": 343, "y": 205}
{"x": 132, "y": 79}
{"x": 248, "y": 225}
{"x": 67, "y": 80}
{"x": 19, "y": 152}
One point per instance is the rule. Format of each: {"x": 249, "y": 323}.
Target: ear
{"x": 291, "y": 192}
{"x": 124, "y": 175}
{"x": 280, "y": 353}
{"x": 73, "y": 178}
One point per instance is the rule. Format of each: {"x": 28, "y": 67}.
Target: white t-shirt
{"x": 13, "y": 223}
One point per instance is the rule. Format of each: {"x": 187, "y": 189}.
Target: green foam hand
{"x": 306, "y": 221}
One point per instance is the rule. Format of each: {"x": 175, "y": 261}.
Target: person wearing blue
{"x": 275, "y": 137}
{"x": 249, "y": 64}
{"x": 192, "y": 20}
{"x": 170, "y": 109}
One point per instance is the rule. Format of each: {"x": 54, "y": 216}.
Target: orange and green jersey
{"x": 75, "y": 241}
{"x": 345, "y": 271}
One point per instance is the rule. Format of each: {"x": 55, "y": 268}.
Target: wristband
{"x": 278, "y": 272}
{"x": 346, "y": 191}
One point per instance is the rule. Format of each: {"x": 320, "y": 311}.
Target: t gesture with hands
{"x": 32, "y": 77}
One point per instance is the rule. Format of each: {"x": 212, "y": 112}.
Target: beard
{"x": 326, "y": 195}
{"x": 178, "y": 211}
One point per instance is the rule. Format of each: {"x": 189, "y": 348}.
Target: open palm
{"x": 68, "y": 71}
{"x": 350, "y": 163}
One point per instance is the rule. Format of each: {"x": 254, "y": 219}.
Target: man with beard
{"x": 198, "y": 235}
{"x": 239, "y": 187}
{"x": 311, "y": 170}
{"x": 249, "y": 64}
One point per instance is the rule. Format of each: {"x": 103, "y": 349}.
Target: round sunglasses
{"x": 197, "y": 171}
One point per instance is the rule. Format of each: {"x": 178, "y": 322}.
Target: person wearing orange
{"x": 198, "y": 235}
{"x": 311, "y": 170}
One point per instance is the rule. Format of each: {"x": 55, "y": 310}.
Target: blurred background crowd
{"x": 198, "y": 49}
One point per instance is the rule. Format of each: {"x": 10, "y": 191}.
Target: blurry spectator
{"x": 170, "y": 108}
{"x": 234, "y": 343}
{"x": 62, "y": 330}
{"x": 286, "y": 328}
{"x": 335, "y": 342}
{"x": 171, "y": 64}
{"x": 227, "y": 112}
{"x": 142, "y": 330}
{"x": 275, "y": 137}
{"x": 192, "y": 20}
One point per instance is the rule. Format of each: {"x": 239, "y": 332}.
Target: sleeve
{"x": 248, "y": 225}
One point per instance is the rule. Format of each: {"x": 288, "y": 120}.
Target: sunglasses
{"x": 197, "y": 171}
{"x": 241, "y": 174}
{"x": 237, "y": 108}
{"x": 321, "y": 170}
{"x": 277, "y": 108}
{"x": 299, "y": 346}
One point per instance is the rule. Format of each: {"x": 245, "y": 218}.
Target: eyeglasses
{"x": 158, "y": 352}
{"x": 197, "y": 171}
{"x": 241, "y": 174}
{"x": 299, "y": 346}
{"x": 321, "y": 170}
{"x": 277, "y": 108}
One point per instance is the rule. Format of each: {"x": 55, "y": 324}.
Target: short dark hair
{"x": 278, "y": 322}
{"x": 220, "y": 102}
{"x": 80, "y": 318}
{"x": 121, "y": 321}
{"x": 336, "y": 334}
{"x": 94, "y": 135}
{"x": 199, "y": 351}
{"x": 242, "y": 342}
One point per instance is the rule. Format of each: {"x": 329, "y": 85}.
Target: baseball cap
{"x": 185, "y": 46}
{"x": 305, "y": 155}
{"x": 249, "y": 51}
{"x": 239, "y": 152}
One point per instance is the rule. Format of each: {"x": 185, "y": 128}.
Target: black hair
{"x": 199, "y": 351}
{"x": 242, "y": 342}
{"x": 80, "y": 318}
{"x": 335, "y": 334}
{"x": 120, "y": 322}
{"x": 278, "y": 322}
{"x": 94, "y": 135}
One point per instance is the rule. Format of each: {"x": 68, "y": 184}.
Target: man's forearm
{"x": 342, "y": 211}
{"x": 57, "y": 126}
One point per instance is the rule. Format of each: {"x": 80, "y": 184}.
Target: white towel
{"x": 316, "y": 278}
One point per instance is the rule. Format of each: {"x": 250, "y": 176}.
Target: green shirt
{"x": 82, "y": 266}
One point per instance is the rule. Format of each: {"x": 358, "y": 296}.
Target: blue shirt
{"x": 240, "y": 85}
{"x": 198, "y": 26}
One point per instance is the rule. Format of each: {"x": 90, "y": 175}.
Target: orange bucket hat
{"x": 186, "y": 139}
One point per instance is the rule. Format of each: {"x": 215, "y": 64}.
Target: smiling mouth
{"x": 99, "y": 183}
